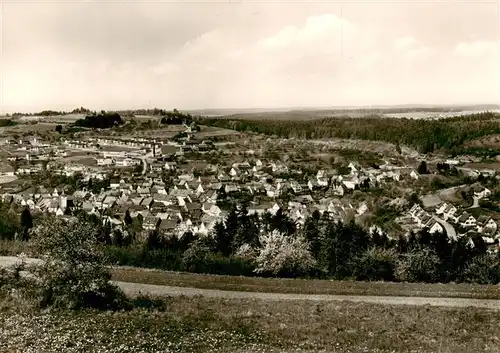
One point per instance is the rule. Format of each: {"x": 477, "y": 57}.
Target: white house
{"x": 414, "y": 175}
{"x": 349, "y": 184}
{"x": 105, "y": 161}
{"x": 483, "y": 194}
{"x": 362, "y": 208}
{"x": 486, "y": 224}
{"x": 450, "y": 213}
{"x": 467, "y": 220}
{"x": 435, "y": 227}
{"x": 440, "y": 209}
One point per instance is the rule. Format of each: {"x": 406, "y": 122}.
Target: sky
{"x": 241, "y": 54}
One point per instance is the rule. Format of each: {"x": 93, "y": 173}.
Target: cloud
{"x": 195, "y": 55}
{"x": 477, "y": 48}
{"x": 405, "y": 42}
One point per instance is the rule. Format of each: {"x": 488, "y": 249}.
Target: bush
{"x": 246, "y": 253}
{"x": 72, "y": 274}
{"x": 200, "y": 259}
{"x": 164, "y": 259}
{"x": 484, "y": 269}
{"x": 375, "y": 264}
{"x": 284, "y": 255}
{"x": 419, "y": 265}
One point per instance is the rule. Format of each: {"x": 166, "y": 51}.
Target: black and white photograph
{"x": 251, "y": 176}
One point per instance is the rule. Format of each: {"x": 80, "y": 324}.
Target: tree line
{"x": 273, "y": 245}
{"x": 100, "y": 120}
{"x": 427, "y": 135}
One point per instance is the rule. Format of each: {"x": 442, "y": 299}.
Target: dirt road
{"x": 133, "y": 289}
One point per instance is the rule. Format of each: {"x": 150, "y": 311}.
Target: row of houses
{"x": 483, "y": 224}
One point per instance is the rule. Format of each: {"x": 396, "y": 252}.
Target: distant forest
{"x": 426, "y": 135}
{"x": 100, "y": 120}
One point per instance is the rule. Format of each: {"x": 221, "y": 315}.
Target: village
{"x": 187, "y": 184}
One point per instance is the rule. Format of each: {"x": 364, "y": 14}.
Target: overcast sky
{"x": 187, "y": 55}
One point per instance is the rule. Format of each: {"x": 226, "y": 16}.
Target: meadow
{"x": 200, "y": 324}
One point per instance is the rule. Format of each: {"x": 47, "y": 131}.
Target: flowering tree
{"x": 72, "y": 273}
{"x": 284, "y": 254}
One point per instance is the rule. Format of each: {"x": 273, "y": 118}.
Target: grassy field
{"x": 301, "y": 286}
{"x": 220, "y": 325}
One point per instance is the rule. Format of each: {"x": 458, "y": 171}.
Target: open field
{"x": 305, "y": 114}
{"x": 302, "y": 286}
{"x": 209, "y": 131}
{"x": 484, "y": 165}
{"x": 23, "y": 128}
{"x": 220, "y": 325}
{"x": 7, "y": 179}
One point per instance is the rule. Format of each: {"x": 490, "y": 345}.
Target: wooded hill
{"x": 426, "y": 135}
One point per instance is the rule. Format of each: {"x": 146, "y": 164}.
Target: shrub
{"x": 284, "y": 255}
{"x": 246, "y": 252}
{"x": 375, "y": 264}
{"x": 484, "y": 269}
{"x": 195, "y": 257}
{"x": 200, "y": 259}
{"x": 73, "y": 273}
{"x": 419, "y": 265}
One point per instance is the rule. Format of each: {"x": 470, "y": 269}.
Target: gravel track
{"x": 134, "y": 289}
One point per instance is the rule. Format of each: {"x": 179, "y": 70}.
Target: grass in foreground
{"x": 222, "y": 325}
{"x": 302, "y": 286}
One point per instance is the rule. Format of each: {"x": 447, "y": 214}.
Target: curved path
{"x": 134, "y": 289}
{"x": 450, "y": 230}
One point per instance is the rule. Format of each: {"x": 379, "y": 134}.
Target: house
{"x": 274, "y": 209}
{"x": 350, "y": 184}
{"x": 25, "y": 170}
{"x": 105, "y": 161}
{"x": 323, "y": 181}
{"x": 228, "y": 188}
{"x": 450, "y": 213}
{"x": 452, "y": 162}
{"x": 6, "y": 170}
{"x": 362, "y": 209}
{"x": 114, "y": 183}
{"x": 467, "y": 220}
{"x": 168, "y": 226}
{"x": 109, "y": 201}
{"x": 434, "y": 227}
{"x": 482, "y": 194}
{"x": 441, "y": 208}
{"x": 147, "y": 201}
{"x": 414, "y": 175}
{"x": 415, "y": 209}
{"x": 486, "y": 224}
{"x": 295, "y": 186}
{"x": 150, "y": 222}
{"x": 338, "y": 189}
{"x": 234, "y": 172}
{"x": 313, "y": 184}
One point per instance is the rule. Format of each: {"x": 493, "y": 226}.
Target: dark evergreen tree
{"x": 312, "y": 233}
{"x": 26, "y": 222}
{"x": 422, "y": 168}
{"x": 128, "y": 218}
{"x": 222, "y": 239}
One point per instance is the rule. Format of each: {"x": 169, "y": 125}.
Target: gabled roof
{"x": 464, "y": 217}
